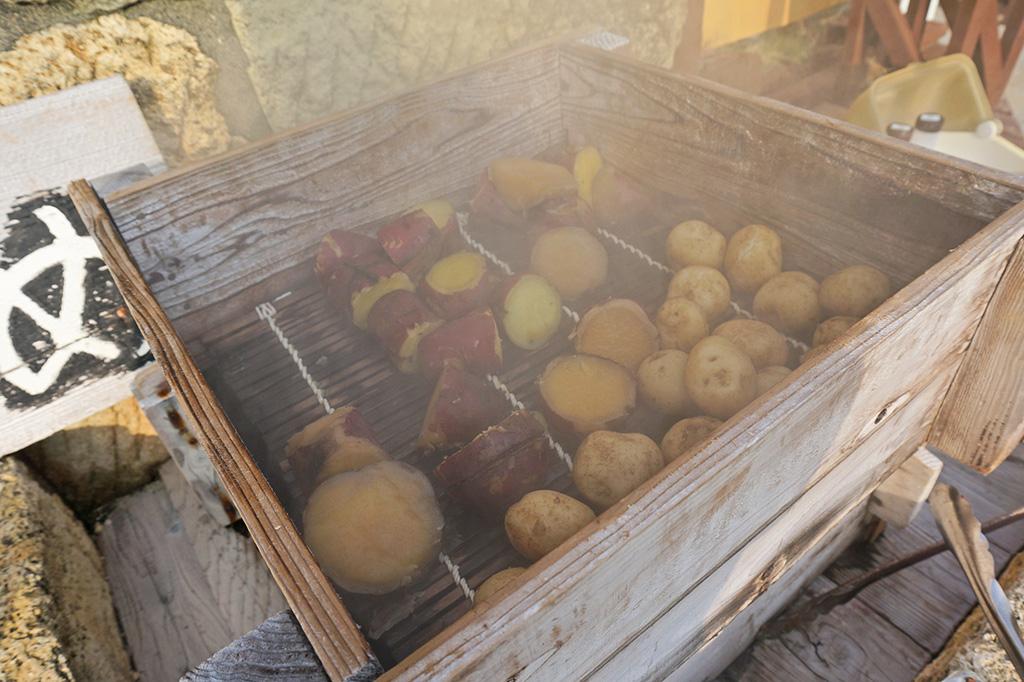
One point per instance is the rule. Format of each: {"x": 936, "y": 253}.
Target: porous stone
{"x": 101, "y": 457}
{"x": 170, "y": 76}
{"x": 56, "y": 618}
{"x": 320, "y": 56}
{"x": 973, "y": 650}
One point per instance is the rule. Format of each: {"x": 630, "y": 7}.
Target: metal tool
{"x": 962, "y": 532}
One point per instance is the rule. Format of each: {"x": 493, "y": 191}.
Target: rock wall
{"x": 56, "y": 617}
{"x": 320, "y": 56}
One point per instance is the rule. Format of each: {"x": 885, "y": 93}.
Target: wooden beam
{"x": 982, "y": 417}
{"x": 901, "y": 496}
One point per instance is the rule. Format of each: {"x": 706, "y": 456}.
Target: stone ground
{"x": 211, "y": 74}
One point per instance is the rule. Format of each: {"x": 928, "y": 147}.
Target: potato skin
{"x": 752, "y": 257}
{"x": 854, "y": 291}
{"x": 496, "y": 583}
{"x": 544, "y": 519}
{"x": 390, "y": 500}
{"x": 787, "y": 303}
{"x": 769, "y": 376}
{"x": 759, "y": 340}
{"x": 685, "y": 434}
{"x": 720, "y": 378}
{"x": 706, "y": 287}
{"x": 461, "y": 406}
{"x": 608, "y": 465}
{"x": 831, "y": 329}
{"x": 694, "y": 242}
{"x": 661, "y": 384}
{"x": 681, "y": 324}
{"x": 571, "y": 259}
{"x": 618, "y": 330}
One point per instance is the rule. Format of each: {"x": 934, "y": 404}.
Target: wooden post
{"x": 901, "y": 496}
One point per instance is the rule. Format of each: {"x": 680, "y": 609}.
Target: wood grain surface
{"x": 982, "y": 417}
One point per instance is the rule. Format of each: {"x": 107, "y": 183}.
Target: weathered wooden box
{"x": 215, "y": 263}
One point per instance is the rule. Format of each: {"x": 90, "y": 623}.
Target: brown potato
{"x": 706, "y": 287}
{"x": 694, "y": 242}
{"x": 769, "y": 376}
{"x": 854, "y": 291}
{"x": 681, "y": 324}
{"x": 375, "y": 529}
{"x": 496, "y": 583}
{"x": 798, "y": 277}
{"x": 753, "y": 256}
{"x": 618, "y": 330}
{"x": 543, "y": 520}
{"x": 572, "y": 259}
{"x": 787, "y": 303}
{"x": 759, "y": 340}
{"x": 584, "y": 393}
{"x": 831, "y": 329}
{"x": 720, "y": 378}
{"x": 685, "y": 435}
{"x": 608, "y": 465}
{"x": 660, "y": 383}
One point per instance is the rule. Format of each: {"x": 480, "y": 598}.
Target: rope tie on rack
{"x": 456, "y": 574}
{"x": 267, "y": 312}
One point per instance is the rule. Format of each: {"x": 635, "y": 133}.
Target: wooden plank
{"x": 161, "y": 407}
{"x": 982, "y": 417}
{"x": 702, "y": 615}
{"x": 854, "y": 46}
{"x": 727, "y": 494}
{"x": 895, "y": 33}
{"x": 276, "y": 649}
{"x": 901, "y": 496}
{"x": 66, "y": 348}
{"x": 337, "y": 640}
{"x": 243, "y": 589}
{"x": 229, "y": 225}
{"x": 823, "y": 650}
{"x": 166, "y": 607}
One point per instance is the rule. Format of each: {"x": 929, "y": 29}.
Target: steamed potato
{"x": 789, "y": 304}
{"x": 608, "y": 465}
{"x": 685, "y": 434}
{"x": 759, "y": 340}
{"x": 720, "y": 378}
{"x": 694, "y": 242}
{"x": 496, "y": 583}
{"x": 854, "y": 291}
{"x": 769, "y": 376}
{"x": 660, "y": 382}
{"x": 706, "y": 287}
{"x": 831, "y": 329}
{"x": 571, "y": 259}
{"x": 681, "y": 324}
{"x": 752, "y": 257}
{"x": 543, "y": 520}
{"x": 375, "y": 529}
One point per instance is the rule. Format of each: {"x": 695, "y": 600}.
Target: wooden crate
{"x": 215, "y": 261}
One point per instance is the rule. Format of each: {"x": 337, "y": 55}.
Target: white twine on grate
{"x": 518, "y": 404}
{"x": 267, "y": 312}
{"x": 615, "y": 239}
{"x": 456, "y": 574}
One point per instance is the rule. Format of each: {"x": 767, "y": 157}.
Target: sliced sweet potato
{"x": 585, "y": 168}
{"x": 530, "y": 310}
{"x": 345, "y": 249}
{"x": 471, "y": 341}
{"x": 461, "y": 406}
{"x": 585, "y": 393}
{"x": 620, "y": 203}
{"x": 367, "y": 290}
{"x": 618, "y": 330}
{"x": 457, "y": 284}
{"x": 524, "y": 183}
{"x": 338, "y": 442}
{"x": 400, "y": 320}
{"x": 499, "y": 466}
{"x": 412, "y": 242}
{"x": 442, "y": 213}
{"x": 488, "y": 207}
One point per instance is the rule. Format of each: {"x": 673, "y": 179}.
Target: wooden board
{"x": 719, "y": 153}
{"x": 982, "y": 418}
{"x": 67, "y": 346}
{"x": 901, "y": 496}
{"x": 183, "y": 585}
